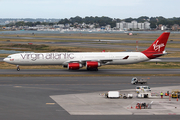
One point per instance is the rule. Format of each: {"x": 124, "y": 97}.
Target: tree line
{"x": 103, "y": 21}
{"x": 169, "y": 22}
{"x": 30, "y": 24}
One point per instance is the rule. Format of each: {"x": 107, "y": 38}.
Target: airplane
{"x": 91, "y": 60}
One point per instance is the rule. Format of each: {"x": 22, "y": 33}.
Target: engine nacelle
{"x": 92, "y": 64}
{"x": 74, "y": 66}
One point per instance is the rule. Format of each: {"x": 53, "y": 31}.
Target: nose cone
{"x": 5, "y": 59}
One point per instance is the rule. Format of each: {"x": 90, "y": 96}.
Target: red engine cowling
{"x": 74, "y": 66}
{"x": 92, "y": 64}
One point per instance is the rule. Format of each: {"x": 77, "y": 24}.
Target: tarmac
{"x": 97, "y": 104}
{"x": 36, "y": 98}
{"x": 85, "y": 72}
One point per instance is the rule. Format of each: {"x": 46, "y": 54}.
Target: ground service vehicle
{"x": 175, "y": 94}
{"x": 113, "y": 94}
{"x": 140, "y": 81}
{"x": 143, "y": 89}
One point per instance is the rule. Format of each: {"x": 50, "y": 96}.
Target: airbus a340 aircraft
{"x": 91, "y": 60}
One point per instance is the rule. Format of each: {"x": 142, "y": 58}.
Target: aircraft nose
{"x": 4, "y": 59}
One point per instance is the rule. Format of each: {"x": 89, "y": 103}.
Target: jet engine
{"x": 92, "y": 65}
{"x": 74, "y": 66}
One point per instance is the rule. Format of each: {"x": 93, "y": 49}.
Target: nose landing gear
{"x": 18, "y": 69}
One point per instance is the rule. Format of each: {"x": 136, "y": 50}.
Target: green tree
{"x": 128, "y": 19}
{"x": 21, "y": 23}
{"x": 152, "y": 24}
{"x": 142, "y": 19}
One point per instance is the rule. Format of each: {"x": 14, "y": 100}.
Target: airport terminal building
{"x": 133, "y": 25}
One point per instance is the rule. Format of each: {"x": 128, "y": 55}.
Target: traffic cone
{"x": 177, "y": 99}
{"x": 131, "y": 107}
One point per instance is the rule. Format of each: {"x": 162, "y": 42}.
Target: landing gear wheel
{"x": 18, "y": 69}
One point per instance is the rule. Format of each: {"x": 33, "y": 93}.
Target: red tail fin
{"x": 157, "y": 48}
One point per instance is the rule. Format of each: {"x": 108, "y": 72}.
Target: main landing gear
{"x": 92, "y": 69}
{"x": 18, "y": 69}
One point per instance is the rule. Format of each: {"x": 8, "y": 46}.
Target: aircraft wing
{"x": 103, "y": 61}
{"x": 84, "y": 61}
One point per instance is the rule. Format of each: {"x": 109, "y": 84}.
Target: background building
{"x": 133, "y": 25}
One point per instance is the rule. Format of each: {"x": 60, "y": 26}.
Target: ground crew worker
{"x": 161, "y": 95}
{"x": 142, "y": 89}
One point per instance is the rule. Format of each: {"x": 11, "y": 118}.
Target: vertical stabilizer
{"x": 157, "y": 48}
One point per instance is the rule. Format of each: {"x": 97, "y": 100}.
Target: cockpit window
{"x": 9, "y": 57}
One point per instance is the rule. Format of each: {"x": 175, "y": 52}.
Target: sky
{"x": 70, "y": 8}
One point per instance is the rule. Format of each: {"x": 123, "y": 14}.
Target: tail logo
{"x": 158, "y": 47}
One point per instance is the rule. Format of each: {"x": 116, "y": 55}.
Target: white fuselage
{"x": 63, "y": 58}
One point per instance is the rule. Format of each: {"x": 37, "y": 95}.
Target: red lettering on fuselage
{"x": 56, "y": 56}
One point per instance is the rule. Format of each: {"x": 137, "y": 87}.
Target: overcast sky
{"x": 71, "y": 8}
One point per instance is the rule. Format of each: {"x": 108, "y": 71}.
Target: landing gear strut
{"x": 18, "y": 69}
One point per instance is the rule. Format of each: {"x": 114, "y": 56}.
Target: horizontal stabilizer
{"x": 155, "y": 60}
{"x": 158, "y": 54}
{"x": 126, "y": 57}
